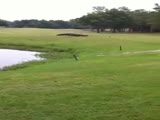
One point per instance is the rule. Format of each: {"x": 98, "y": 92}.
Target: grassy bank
{"x": 104, "y": 84}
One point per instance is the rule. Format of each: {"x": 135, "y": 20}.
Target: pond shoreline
{"x": 12, "y": 57}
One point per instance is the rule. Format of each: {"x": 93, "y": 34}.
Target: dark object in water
{"x": 72, "y": 34}
{"x": 75, "y": 57}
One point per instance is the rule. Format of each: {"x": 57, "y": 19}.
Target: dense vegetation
{"x": 122, "y": 18}
{"x": 105, "y": 84}
{"x": 42, "y": 24}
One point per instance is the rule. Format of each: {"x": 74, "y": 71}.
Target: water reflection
{"x": 10, "y": 57}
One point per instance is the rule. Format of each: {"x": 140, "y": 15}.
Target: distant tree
{"x": 96, "y": 20}
{"x": 157, "y": 7}
{"x": 156, "y": 18}
{"x": 4, "y": 23}
{"x": 43, "y": 24}
{"x": 76, "y": 25}
{"x": 124, "y": 9}
{"x": 114, "y": 19}
{"x": 140, "y": 22}
{"x": 99, "y": 9}
{"x": 119, "y": 19}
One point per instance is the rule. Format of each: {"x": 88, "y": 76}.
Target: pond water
{"x": 9, "y": 57}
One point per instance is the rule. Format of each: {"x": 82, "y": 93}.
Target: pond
{"x": 9, "y": 57}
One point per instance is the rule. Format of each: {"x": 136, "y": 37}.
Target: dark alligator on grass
{"x": 72, "y": 34}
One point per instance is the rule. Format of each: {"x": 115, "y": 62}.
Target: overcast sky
{"x": 62, "y": 9}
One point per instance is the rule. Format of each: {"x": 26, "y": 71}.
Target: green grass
{"x": 108, "y": 87}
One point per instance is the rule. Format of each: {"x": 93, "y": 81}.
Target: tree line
{"x": 101, "y": 19}
{"x": 122, "y": 19}
{"x": 52, "y": 24}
